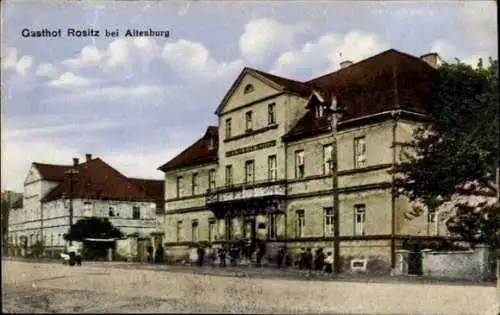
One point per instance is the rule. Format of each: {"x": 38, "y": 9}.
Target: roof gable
{"x": 48, "y": 172}
{"x": 264, "y": 85}
{"x": 199, "y": 152}
{"x": 96, "y": 179}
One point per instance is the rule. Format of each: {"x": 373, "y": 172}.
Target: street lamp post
{"x": 71, "y": 172}
{"x": 334, "y": 169}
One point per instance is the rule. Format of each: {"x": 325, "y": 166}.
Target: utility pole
{"x": 335, "y": 183}
{"x": 71, "y": 172}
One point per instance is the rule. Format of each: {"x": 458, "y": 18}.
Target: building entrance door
{"x": 250, "y": 231}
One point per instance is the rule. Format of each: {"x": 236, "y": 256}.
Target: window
{"x": 228, "y": 128}
{"x": 180, "y": 187}
{"x": 248, "y": 121}
{"x": 328, "y": 213}
{"x": 179, "y": 231}
{"x": 194, "y": 231}
{"x": 211, "y": 179}
{"x": 194, "y": 184}
{"x": 271, "y": 115}
{"x": 51, "y": 239}
{"x": 359, "y": 213}
{"x": 111, "y": 212}
{"x": 229, "y": 175}
{"x": 359, "y": 152}
{"x": 431, "y": 216}
{"x": 301, "y": 223}
{"x": 136, "y": 213}
{"x": 273, "y": 231}
{"x": 272, "y": 168}
{"x": 212, "y": 230}
{"x": 248, "y": 89}
{"x": 327, "y": 159}
{"x": 249, "y": 172}
{"x": 211, "y": 143}
{"x": 319, "y": 111}
{"x": 299, "y": 164}
{"x": 87, "y": 209}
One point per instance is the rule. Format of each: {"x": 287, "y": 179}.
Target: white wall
{"x": 468, "y": 265}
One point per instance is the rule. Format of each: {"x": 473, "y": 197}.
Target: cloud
{"x": 192, "y": 62}
{"x": 325, "y": 54}
{"x": 62, "y": 129}
{"x": 266, "y": 37}
{"x": 88, "y": 56}
{"x": 69, "y": 79}
{"x": 17, "y": 157}
{"x": 113, "y": 93}
{"x": 449, "y": 52}
{"x": 10, "y": 61}
{"x": 46, "y": 70}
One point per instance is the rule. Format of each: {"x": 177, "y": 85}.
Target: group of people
{"x": 320, "y": 261}
{"x": 75, "y": 255}
{"x": 158, "y": 255}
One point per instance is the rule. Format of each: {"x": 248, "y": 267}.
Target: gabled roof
{"x": 96, "y": 179}
{"x": 51, "y": 172}
{"x": 199, "y": 152}
{"x": 283, "y": 84}
{"x": 387, "y": 81}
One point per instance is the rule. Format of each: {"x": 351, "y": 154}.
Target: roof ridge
{"x": 391, "y": 50}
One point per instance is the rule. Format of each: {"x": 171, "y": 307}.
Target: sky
{"x": 136, "y": 102}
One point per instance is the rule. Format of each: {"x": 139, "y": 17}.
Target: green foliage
{"x": 38, "y": 249}
{"x": 458, "y": 146}
{"x": 92, "y": 227}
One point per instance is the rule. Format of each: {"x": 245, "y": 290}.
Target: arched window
{"x": 248, "y": 89}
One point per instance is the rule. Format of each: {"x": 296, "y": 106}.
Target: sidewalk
{"x": 266, "y": 272}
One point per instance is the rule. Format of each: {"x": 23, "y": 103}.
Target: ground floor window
{"x": 301, "y": 223}
{"x": 212, "y": 230}
{"x": 273, "y": 226}
{"x": 360, "y": 215}
{"x": 194, "y": 231}
{"x": 328, "y": 227}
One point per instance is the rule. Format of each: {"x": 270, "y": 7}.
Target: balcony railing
{"x": 256, "y": 189}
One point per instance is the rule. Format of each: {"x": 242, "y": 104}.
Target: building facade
{"x": 94, "y": 189}
{"x": 265, "y": 171}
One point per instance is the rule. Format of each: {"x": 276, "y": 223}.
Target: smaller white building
{"x": 92, "y": 188}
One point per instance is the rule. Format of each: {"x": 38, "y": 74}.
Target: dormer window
{"x": 211, "y": 143}
{"x": 248, "y": 89}
{"x": 319, "y": 111}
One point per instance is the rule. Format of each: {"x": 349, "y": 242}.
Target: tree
{"x": 92, "y": 227}
{"x": 456, "y": 153}
{"x": 5, "y": 210}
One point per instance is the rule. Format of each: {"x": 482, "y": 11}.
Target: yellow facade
{"x": 367, "y": 184}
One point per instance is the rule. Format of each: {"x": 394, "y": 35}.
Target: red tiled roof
{"x": 96, "y": 179}
{"x": 198, "y": 153}
{"x": 51, "y": 172}
{"x": 301, "y": 88}
{"x": 154, "y": 188}
{"x": 387, "y": 81}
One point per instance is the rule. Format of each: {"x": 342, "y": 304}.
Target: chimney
{"x": 345, "y": 64}
{"x": 432, "y": 59}
{"x": 75, "y": 161}
{"x": 88, "y": 157}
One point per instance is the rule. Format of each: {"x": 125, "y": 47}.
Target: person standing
{"x": 308, "y": 261}
{"x": 329, "y": 262}
{"x": 72, "y": 254}
{"x": 150, "y": 253}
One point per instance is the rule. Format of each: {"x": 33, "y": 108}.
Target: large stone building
{"x": 97, "y": 190}
{"x": 265, "y": 170}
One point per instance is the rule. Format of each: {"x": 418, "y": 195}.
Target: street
{"x": 113, "y": 288}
